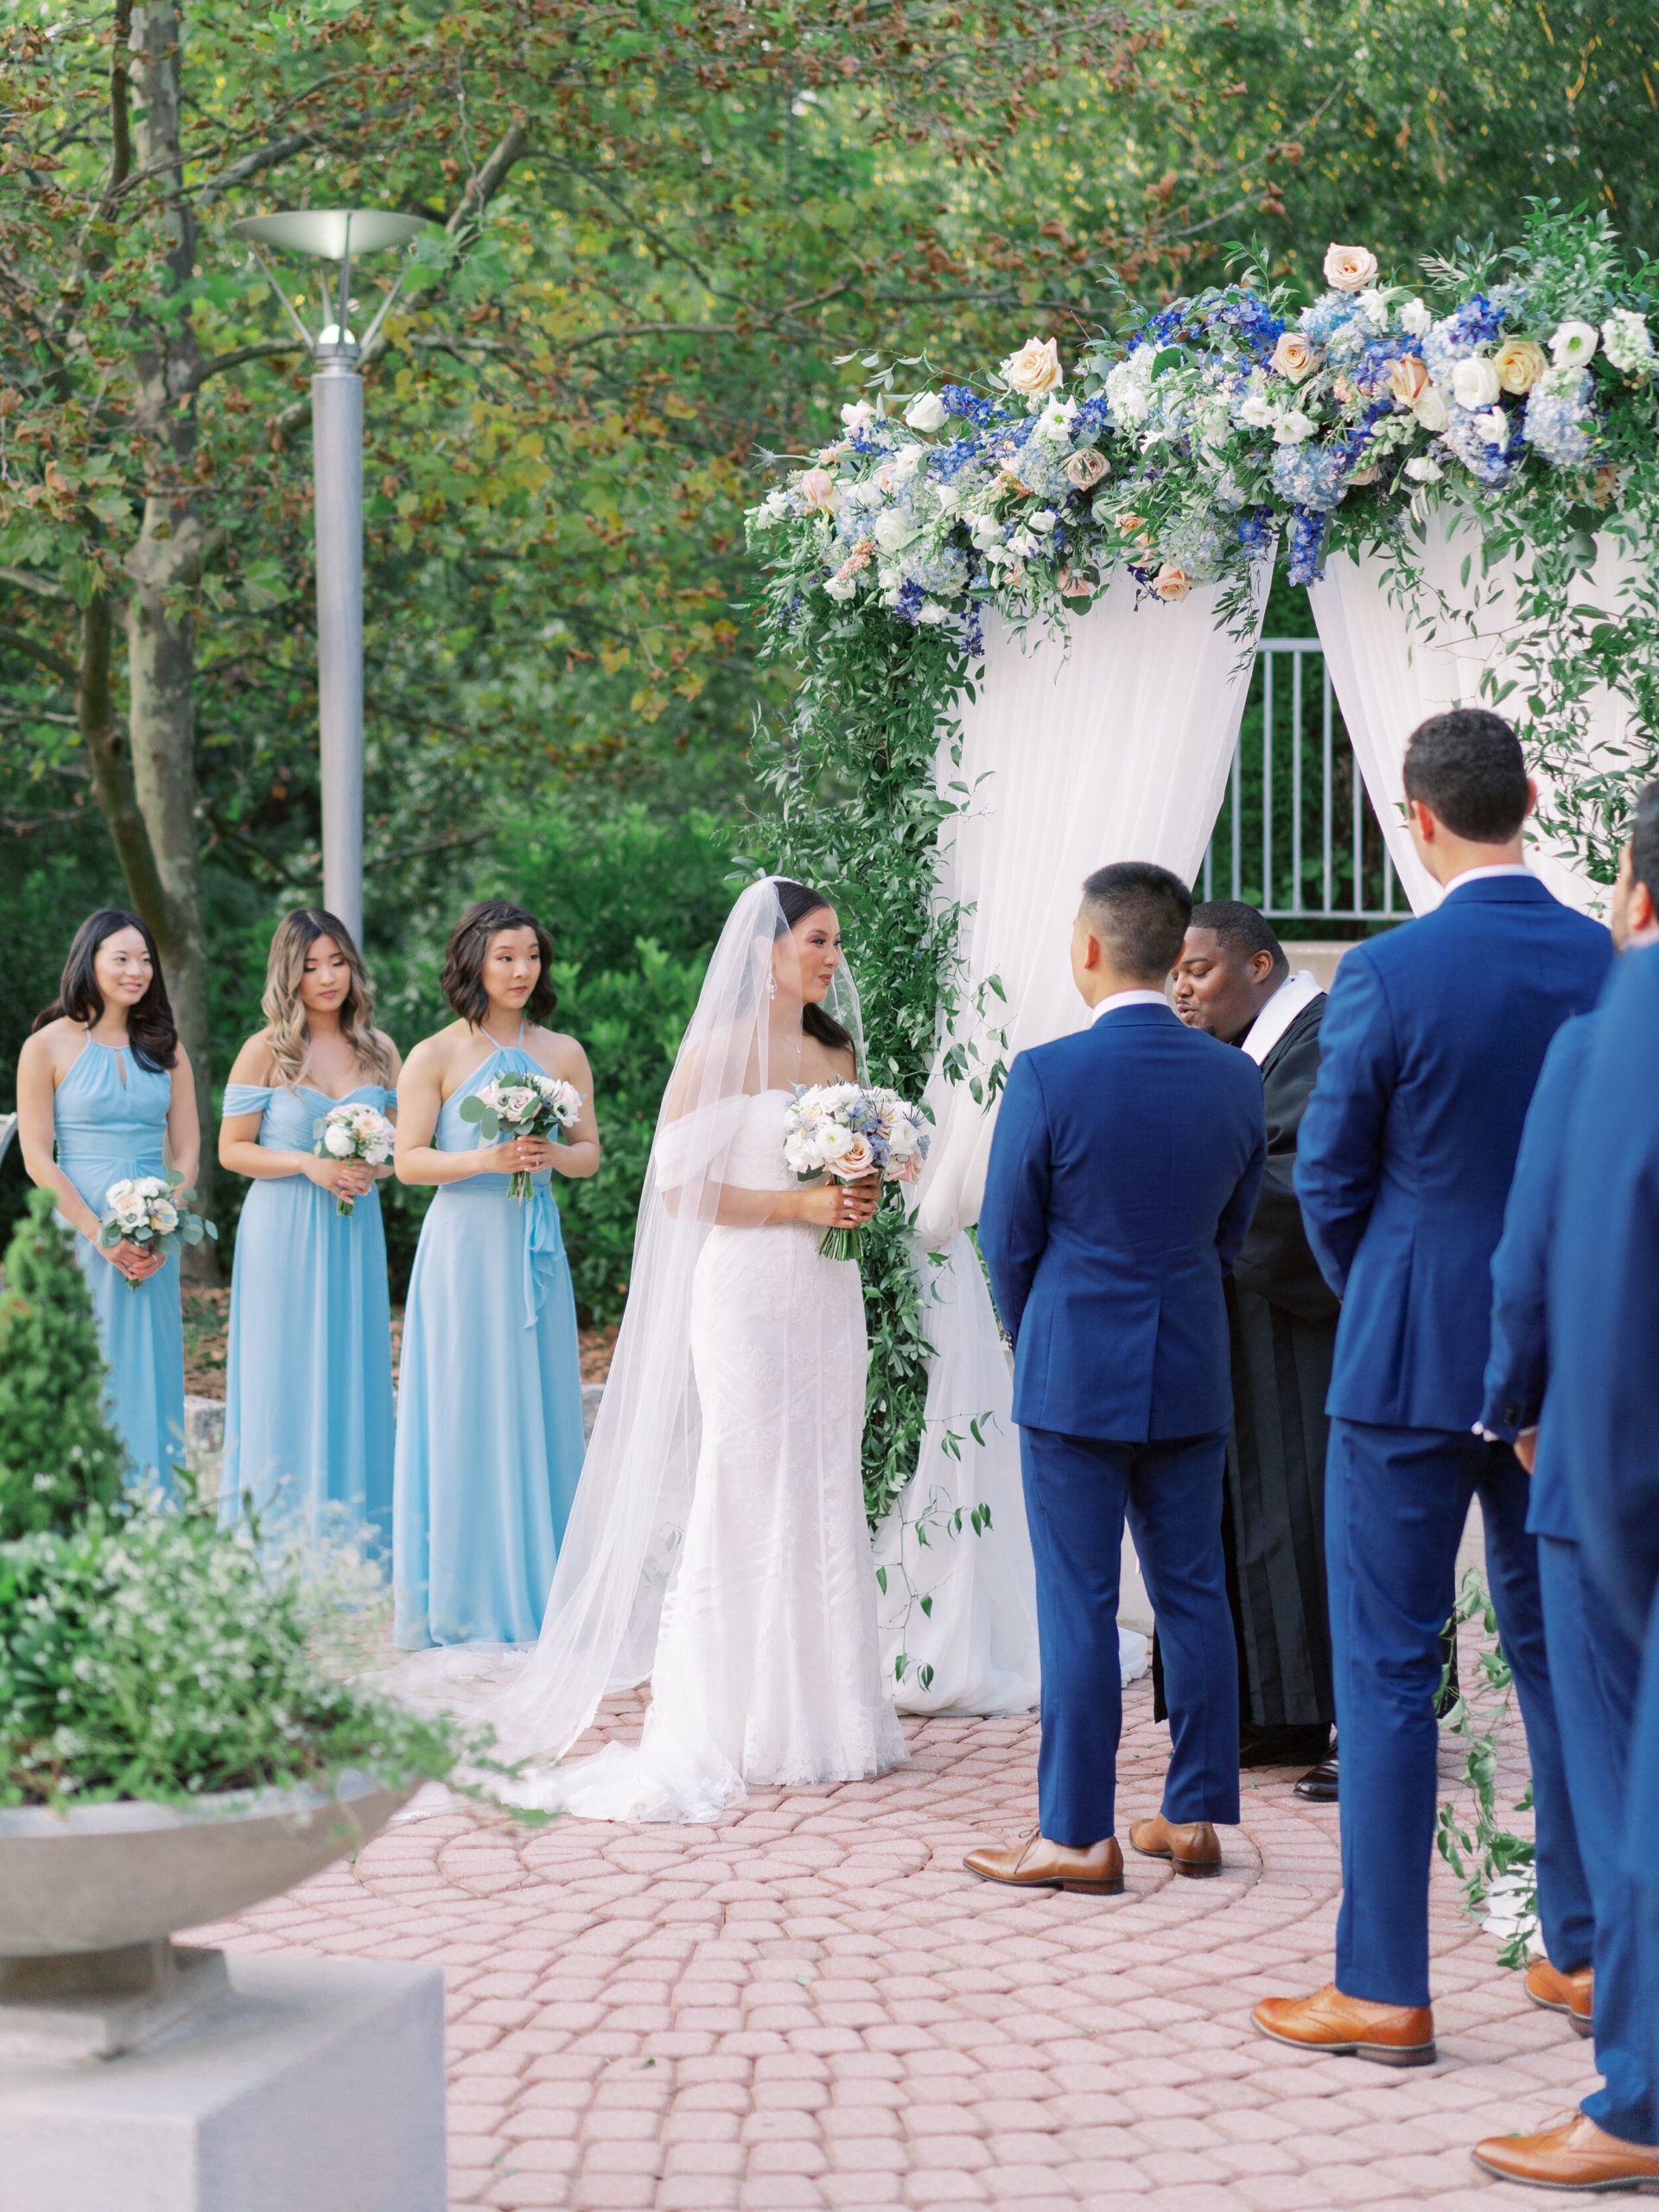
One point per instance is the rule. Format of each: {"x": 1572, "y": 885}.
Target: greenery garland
{"x": 1516, "y": 388}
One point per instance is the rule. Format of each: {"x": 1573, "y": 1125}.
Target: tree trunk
{"x": 165, "y": 565}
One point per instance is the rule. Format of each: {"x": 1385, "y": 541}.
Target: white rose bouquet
{"x": 153, "y": 1212}
{"x": 848, "y": 1130}
{"x": 354, "y": 1133}
{"x": 528, "y": 1105}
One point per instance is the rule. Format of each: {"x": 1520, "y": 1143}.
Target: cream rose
{"x": 858, "y": 1158}
{"x": 1408, "y": 380}
{"x": 1518, "y": 364}
{"x": 1170, "y": 583}
{"x": 1293, "y": 356}
{"x": 1085, "y": 470}
{"x": 817, "y": 488}
{"x": 1349, "y": 268}
{"x": 1474, "y": 382}
{"x": 1035, "y": 368}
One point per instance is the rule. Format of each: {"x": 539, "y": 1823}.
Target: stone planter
{"x": 89, "y": 1899}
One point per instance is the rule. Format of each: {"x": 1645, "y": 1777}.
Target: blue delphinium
{"x": 1559, "y": 423}
{"x": 908, "y": 606}
{"x": 1255, "y": 532}
{"x": 1469, "y": 328}
{"x": 968, "y": 404}
{"x": 1371, "y": 372}
{"x": 1306, "y": 545}
{"x": 1255, "y": 325}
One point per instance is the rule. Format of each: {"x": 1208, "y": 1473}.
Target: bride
{"x": 717, "y": 1541}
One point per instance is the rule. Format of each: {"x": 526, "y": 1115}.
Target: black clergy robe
{"x": 1282, "y": 1318}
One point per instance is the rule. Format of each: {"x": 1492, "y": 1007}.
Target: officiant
{"x": 1234, "y": 981}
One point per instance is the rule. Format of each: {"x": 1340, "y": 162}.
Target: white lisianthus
{"x": 1423, "y": 471}
{"x": 1474, "y": 382}
{"x": 1430, "y": 411}
{"x": 775, "y": 505}
{"x": 841, "y": 587}
{"x": 947, "y": 495}
{"x": 1573, "y": 345}
{"x": 927, "y": 411}
{"x": 833, "y": 1139}
{"x": 1255, "y": 411}
{"x": 1045, "y": 519}
{"x": 1628, "y": 342}
{"x": 906, "y": 466}
{"x": 120, "y": 1193}
{"x": 985, "y": 530}
{"x": 1415, "y": 318}
{"x": 1375, "y": 308}
{"x": 1035, "y": 368}
{"x": 856, "y": 413}
{"x": 1292, "y": 428}
{"x": 1128, "y": 391}
{"x": 1494, "y": 426}
{"x": 931, "y": 612}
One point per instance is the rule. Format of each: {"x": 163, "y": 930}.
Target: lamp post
{"x": 337, "y": 234}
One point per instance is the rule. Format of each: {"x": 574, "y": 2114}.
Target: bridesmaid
{"x": 105, "y": 1080}
{"x": 308, "y": 1401}
{"x": 489, "y": 1431}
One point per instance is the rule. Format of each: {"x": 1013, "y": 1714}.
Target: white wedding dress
{"x": 766, "y": 1671}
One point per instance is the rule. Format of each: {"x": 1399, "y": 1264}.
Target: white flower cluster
{"x": 525, "y": 1105}
{"x": 850, "y": 1130}
{"x": 152, "y": 1211}
{"x": 355, "y": 1132}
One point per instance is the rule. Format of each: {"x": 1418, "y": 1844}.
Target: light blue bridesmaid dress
{"x": 308, "y": 1390}
{"x": 109, "y": 1116}
{"x": 489, "y": 1409}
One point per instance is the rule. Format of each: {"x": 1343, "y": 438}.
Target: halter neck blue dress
{"x": 308, "y": 1388}
{"x": 109, "y": 1116}
{"x": 489, "y": 1408}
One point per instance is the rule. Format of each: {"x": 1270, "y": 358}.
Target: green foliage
{"x": 58, "y": 1454}
{"x": 158, "y": 1658}
{"x": 1490, "y": 1855}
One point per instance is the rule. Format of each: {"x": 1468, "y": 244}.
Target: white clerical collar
{"x": 1487, "y": 874}
{"x": 1129, "y": 998}
{"x": 1296, "y": 992}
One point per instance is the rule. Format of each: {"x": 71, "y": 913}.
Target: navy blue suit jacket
{"x": 1122, "y": 1177}
{"x": 1431, "y": 1047}
{"x": 1603, "y": 1384}
{"x": 1517, "y": 1366}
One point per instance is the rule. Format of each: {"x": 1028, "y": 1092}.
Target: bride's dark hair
{"x": 795, "y": 902}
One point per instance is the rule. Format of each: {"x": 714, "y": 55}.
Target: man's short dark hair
{"x": 1644, "y": 839}
{"x": 1468, "y": 768}
{"x": 1140, "y": 913}
{"x": 1242, "y": 930}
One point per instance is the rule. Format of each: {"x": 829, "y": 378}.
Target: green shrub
{"x": 57, "y": 1454}
{"x": 159, "y": 1656}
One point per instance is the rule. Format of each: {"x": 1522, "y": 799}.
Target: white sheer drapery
{"x": 1391, "y": 667}
{"x": 1114, "y": 745}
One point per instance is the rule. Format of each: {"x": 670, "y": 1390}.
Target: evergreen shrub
{"x": 58, "y": 1452}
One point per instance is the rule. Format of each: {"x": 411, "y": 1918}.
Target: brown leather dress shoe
{"x": 1192, "y": 1849}
{"x": 1576, "y": 2155}
{"x": 1036, "y": 1864}
{"x": 1349, "y": 2027}
{"x": 1571, "y": 1994}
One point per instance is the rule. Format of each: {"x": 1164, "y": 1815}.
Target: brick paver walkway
{"x": 811, "y": 2005}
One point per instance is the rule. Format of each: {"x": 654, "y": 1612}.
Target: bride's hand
{"x": 841, "y": 1205}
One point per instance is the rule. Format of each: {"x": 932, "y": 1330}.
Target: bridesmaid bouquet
{"x": 849, "y": 1130}
{"x": 354, "y": 1133}
{"x": 154, "y": 1213}
{"x": 528, "y": 1105}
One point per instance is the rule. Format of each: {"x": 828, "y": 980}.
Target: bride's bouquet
{"x": 528, "y": 1105}
{"x": 848, "y": 1130}
{"x": 354, "y": 1133}
{"x": 152, "y": 1212}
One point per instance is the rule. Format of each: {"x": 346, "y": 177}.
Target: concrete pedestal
{"x": 315, "y": 2085}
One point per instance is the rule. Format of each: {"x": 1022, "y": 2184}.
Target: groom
{"x": 1123, "y": 1178}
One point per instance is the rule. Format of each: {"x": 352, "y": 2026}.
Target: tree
{"x": 57, "y": 1454}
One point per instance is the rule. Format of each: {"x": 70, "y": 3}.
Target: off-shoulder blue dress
{"x": 489, "y": 1407}
{"x": 308, "y": 1388}
{"x": 109, "y": 1117}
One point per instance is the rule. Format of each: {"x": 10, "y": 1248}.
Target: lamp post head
{"x": 332, "y": 234}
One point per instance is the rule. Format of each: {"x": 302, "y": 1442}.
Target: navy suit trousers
{"x": 1396, "y": 1503}
{"x": 1078, "y": 1491}
{"x": 1594, "y": 1670}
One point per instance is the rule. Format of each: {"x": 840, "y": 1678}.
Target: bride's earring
{"x": 771, "y": 987}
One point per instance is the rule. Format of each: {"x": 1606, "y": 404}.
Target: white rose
{"x": 1423, "y": 471}
{"x": 1415, "y": 318}
{"x": 927, "y": 412}
{"x": 856, "y": 413}
{"x": 118, "y": 1193}
{"x": 337, "y": 1140}
{"x": 1035, "y": 368}
{"x": 1292, "y": 428}
{"x": 1474, "y": 382}
{"x": 893, "y": 528}
{"x": 1573, "y": 345}
{"x": 1430, "y": 411}
{"x": 1494, "y": 426}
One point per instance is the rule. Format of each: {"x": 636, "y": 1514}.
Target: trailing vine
{"x": 1494, "y": 1867}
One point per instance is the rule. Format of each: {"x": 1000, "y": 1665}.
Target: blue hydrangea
{"x": 1327, "y": 319}
{"x": 1310, "y": 476}
{"x": 1559, "y": 423}
{"x": 1091, "y": 417}
{"x": 1306, "y": 545}
{"x": 1488, "y": 464}
{"x": 1469, "y": 328}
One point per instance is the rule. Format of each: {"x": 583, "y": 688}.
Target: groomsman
{"x": 1432, "y": 1042}
{"x": 1122, "y": 1177}
{"x": 1233, "y": 981}
{"x": 1586, "y": 1168}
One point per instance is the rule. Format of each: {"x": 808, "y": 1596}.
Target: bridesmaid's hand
{"x": 841, "y": 1205}
{"x": 346, "y": 1179}
{"x": 519, "y": 1156}
{"x": 133, "y": 1260}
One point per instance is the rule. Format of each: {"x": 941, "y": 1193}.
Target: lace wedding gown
{"x": 767, "y": 1670}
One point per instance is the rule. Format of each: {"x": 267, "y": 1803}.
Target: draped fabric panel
{"x": 1391, "y": 668}
{"x": 1114, "y": 745}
